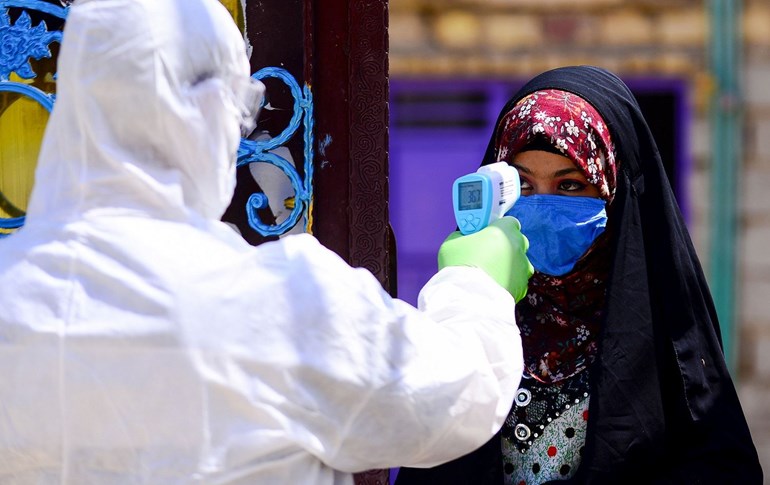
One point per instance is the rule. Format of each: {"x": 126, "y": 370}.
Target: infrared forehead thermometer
{"x": 483, "y": 196}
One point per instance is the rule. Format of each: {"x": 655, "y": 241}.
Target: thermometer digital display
{"x": 469, "y": 194}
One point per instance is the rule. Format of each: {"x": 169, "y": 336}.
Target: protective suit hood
{"x": 172, "y": 158}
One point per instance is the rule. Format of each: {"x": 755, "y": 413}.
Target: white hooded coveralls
{"x": 142, "y": 341}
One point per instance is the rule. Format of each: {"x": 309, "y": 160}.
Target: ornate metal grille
{"x": 261, "y": 151}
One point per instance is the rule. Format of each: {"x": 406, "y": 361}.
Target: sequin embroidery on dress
{"x": 544, "y": 434}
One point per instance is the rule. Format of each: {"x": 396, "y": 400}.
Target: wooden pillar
{"x": 349, "y": 66}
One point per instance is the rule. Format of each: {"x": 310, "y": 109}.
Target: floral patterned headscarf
{"x": 571, "y": 125}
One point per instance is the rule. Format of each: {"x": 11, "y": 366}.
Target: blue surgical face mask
{"x": 560, "y": 229}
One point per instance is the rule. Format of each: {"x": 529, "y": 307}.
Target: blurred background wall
{"x": 453, "y": 63}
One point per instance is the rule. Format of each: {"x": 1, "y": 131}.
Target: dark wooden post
{"x": 349, "y": 66}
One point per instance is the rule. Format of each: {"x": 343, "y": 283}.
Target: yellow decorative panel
{"x": 22, "y": 123}
{"x": 236, "y": 10}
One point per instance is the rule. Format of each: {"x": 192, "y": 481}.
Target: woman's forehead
{"x": 545, "y": 164}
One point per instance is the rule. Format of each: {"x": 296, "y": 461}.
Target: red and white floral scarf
{"x": 573, "y": 127}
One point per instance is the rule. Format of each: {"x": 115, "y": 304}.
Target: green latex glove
{"x": 499, "y": 249}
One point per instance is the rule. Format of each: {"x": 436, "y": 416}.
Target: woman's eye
{"x": 571, "y": 186}
{"x": 525, "y": 185}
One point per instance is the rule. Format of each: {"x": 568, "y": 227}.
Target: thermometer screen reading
{"x": 469, "y": 195}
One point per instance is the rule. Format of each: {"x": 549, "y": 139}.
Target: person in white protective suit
{"x": 143, "y": 341}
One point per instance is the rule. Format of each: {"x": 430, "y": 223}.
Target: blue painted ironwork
{"x": 11, "y": 223}
{"x": 260, "y": 151}
{"x": 20, "y": 42}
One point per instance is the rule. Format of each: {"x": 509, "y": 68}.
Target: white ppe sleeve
{"x": 415, "y": 387}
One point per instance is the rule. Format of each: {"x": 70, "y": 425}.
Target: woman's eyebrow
{"x": 558, "y": 173}
{"x": 566, "y": 171}
{"x": 521, "y": 169}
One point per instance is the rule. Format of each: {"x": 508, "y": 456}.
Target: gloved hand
{"x": 499, "y": 249}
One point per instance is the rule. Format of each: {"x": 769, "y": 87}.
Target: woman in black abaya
{"x": 625, "y": 379}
